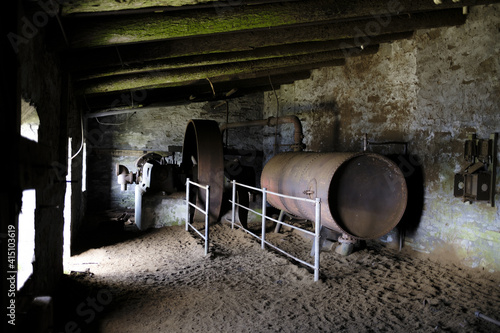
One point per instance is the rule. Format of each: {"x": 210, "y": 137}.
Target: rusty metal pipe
{"x": 363, "y": 195}
{"x": 271, "y": 121}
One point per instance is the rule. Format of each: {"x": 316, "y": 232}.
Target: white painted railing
{"x": 317, "y": 223}
{"x": 205, "y": 212}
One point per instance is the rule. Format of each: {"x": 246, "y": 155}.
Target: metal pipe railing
{"x": 205, "y": 212}
{"x": 491, "y": 320}
{"x": 262, "y": 238}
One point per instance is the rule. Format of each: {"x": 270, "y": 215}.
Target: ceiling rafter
{"x": 199, "y": 90}
{"x": 172, "y": 47}
{"x": 122, "y": 29}
{"x": 267, "y": 43}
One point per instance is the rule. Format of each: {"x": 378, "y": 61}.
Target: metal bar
{"x": 317, "y": 223}
{"x": 291, "y": 197}
{"x": 249, "y": 209}
{"x": 198, "y": 208}
{"x": 291, "y": 256}
{"x": 317, "y": 228}
{"x": 233, "y": 214}
{"x": 493, "y": 179}
{"x": 491, "y": 320}
{"x": 249, "y": 187}
{"x": 206, "y": 212}
{"x": 275, "y": 247}
{"x": 280, "y": 220}
{"x": 207, "y": 206}
{"x": 292, "y": 226}
{"x": 200, "y": 186}
{"x": 277, "y": 194}
{"x": 264, "y": 202}
{"x": 248, "y": 231}
{"x": 187, "y": 204}
{"x": 197, "y": 231}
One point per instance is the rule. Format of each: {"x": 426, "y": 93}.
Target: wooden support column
{"x": 10, "y": 191}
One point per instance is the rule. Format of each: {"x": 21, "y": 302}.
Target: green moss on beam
{"x": 174, "y": 77}
{"x": 187, "y": 23}
{"x": 336, "y": 34}
{"x": 222, "y": 58}
{"x": 99, "y": 6}
{"x": 157, "y": 26}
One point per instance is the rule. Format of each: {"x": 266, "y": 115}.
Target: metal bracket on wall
{"x": 477, "y": 181}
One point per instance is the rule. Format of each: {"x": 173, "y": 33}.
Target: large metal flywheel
{"x": 203, "y": 161}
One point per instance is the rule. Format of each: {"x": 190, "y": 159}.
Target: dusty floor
{"x": 160, "y": 281}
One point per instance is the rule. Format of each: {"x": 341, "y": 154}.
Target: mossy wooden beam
{"x": 288, "y": 50}
{"x": 99, "y": 7}
{"x": 116, "y": 30}
{"x": 336, "y": 34}
{"x": 196, "y": 92}
{"x": 76, "y": 7}
{"x": 96, "y": 6}
{"x": 182, "y": 76}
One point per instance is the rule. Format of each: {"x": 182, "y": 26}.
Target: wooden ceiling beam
{"x": 156, "y": 79}
{"x": 141, "y": 91}
{"x": 88, "y": 8}
{"x": 287, "y": 50}
{"x": 195, "y": 92}
{"x": 335, "y": 34}
{"x": 95, "y": 32}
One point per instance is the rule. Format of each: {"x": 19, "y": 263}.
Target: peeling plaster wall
{"x": 431, "y": 91}
{"x": 158, "y": 129}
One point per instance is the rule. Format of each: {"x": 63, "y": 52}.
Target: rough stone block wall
{"x": 431, "y": 90}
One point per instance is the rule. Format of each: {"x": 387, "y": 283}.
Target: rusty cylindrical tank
{"x": 363, "y": 195}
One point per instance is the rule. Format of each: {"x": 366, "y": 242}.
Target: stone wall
{"x": 431, "y": 91}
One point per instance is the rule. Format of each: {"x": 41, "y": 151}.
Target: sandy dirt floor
{"x": 160, "y": 281}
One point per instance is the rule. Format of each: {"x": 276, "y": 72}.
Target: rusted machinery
{"x": 153, "y": 175}
{"x": 202, "y": 162}
{"x": 363, "y": 195}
